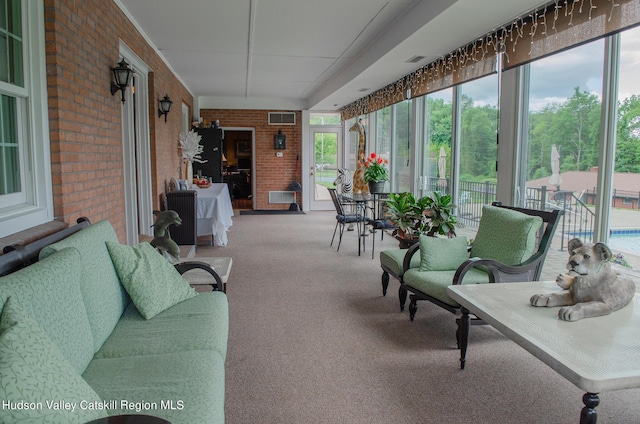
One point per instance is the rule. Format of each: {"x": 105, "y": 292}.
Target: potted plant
{"x": 191, "y": 151}
{"x": 439, "y": 212}
{"x": 376, "y": 173}
{"x": 429, "y": 215}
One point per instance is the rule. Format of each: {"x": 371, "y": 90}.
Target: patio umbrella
{"x": 555, "y": 179}
{"x": 442, "y": 166}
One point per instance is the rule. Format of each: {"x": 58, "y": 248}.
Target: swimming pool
{"x": 624, "y": 239}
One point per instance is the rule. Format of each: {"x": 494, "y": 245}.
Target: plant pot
{"x": 406, "y": 243}
{"x": 376, "y": 186}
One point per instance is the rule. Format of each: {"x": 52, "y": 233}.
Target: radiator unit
{"x": 284, "y": 197}
{"x": 184, "y": 203}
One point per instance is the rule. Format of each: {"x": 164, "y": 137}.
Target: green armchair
{"x": 511, "y": 245}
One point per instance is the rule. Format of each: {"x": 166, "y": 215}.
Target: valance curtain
{"x": 566, "y": 24}
{"x": 465, "y": 64}
{"x": 560, "y": 25}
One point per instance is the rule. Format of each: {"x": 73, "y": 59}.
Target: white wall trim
{"x": 137, "y": 156}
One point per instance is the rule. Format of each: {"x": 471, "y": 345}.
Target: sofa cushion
{"x": 191, "y": 382}
{"x": 506, "y": 236}
{"x": 199, "y": 323}
{"x": 442, "y": 254}
{"x": 49, "y": 290}
{"x": 393, "y": 259}
{"x": 152, "y": 282}
{"x": 34, "y": 371}
{"x": 435, "y": 283}
{"x": 104, "y": 296}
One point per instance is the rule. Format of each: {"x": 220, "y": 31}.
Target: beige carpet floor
{"x": 312, "y": 340}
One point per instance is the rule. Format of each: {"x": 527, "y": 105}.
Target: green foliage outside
{"x": 573, "y": 126}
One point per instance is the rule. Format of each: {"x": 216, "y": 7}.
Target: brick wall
{"x": 272, "y": 173}
{"x": 82, "y": 44}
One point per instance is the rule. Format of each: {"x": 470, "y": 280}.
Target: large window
{"x": 436, "y": 149}
{"x": 9, "y": 150}
{"x": 565, "y": 101}
{"x": 400, "y": 158}
{"x": 25, "y": 167}
{"x": 11, "y": 74}
{"x": 624, "y": 219}
{"x": 382, "y": 144}
{"x": 478, "y": 108}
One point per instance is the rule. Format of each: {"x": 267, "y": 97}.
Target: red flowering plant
{"x": 375, "y": 168}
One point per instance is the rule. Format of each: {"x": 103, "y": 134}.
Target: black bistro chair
{"x": 381, "y": 219}
{"x": 343, "y": 218}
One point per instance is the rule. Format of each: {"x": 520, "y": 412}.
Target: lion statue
{"x": 592, "y": 287}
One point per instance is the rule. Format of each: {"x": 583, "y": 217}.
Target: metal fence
{"x": 473, "y": 196}
{"x": 577, "y": 221}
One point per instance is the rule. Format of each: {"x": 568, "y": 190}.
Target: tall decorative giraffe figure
{"x": 359, "y": 184}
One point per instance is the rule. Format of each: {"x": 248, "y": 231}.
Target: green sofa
{"x": 85, "y": 344}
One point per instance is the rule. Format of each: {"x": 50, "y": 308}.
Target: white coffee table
{"x": 595, "y": 354}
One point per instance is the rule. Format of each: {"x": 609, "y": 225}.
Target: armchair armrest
{"x": 187, "y": 266}
{"x": 499, "y": 272}
{"x": 406, "y": 264}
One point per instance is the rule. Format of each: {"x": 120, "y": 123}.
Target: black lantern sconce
{"x": 122, "y": 75}
{"x": 279, "y": 141}
{"x": 165, "y": 106}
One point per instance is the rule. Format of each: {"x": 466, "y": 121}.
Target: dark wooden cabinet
{"x": 212, "y": 139}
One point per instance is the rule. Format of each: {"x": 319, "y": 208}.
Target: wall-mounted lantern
{"x": 122, "y": 75}
{"x": 165, "y": 106}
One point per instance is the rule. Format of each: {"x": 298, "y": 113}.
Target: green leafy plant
{"x": 441, "y": 219}
{"x": 429, "y": 215}
{"x": 375, "y": 168}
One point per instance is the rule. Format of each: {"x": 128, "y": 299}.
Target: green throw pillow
{"x": 35, "y": 378}
{"x": 506, "y": 236}
{"x": 442, "y": 254}
{"x": 152, "y": 282}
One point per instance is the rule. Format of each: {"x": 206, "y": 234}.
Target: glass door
{"x": 324, "y": 165}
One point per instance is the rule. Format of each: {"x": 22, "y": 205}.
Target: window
{"x": 10, "y": 169}
{"x": 436, "y": 152}
{"x": 382, "y": 144}
{"x": 400, "y": 163}
{"x": 11, "y": 74}
{"x": 624, "y": 226}
{"x": 25, "y": 165}
{"x": 478, "y": 106}
{"x": 324, "y": 118}
{"x": 565, "y": 97}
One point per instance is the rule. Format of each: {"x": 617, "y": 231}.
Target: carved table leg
{"x": 589, "y": 415}
{"x": 385, "y": 282}
{"x": 463, "y": 329}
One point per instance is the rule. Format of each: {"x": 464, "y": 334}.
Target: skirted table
{"x": 214, "y": 212}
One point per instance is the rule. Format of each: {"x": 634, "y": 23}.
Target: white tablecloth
{"x": 214, "y": 212}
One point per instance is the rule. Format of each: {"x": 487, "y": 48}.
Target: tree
{"x": 479, "y": 152}
{"x": 581, "y": 113}
{"x": 628, "y": 135}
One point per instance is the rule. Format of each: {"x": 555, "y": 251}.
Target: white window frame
{"x": 36, "y": 207}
